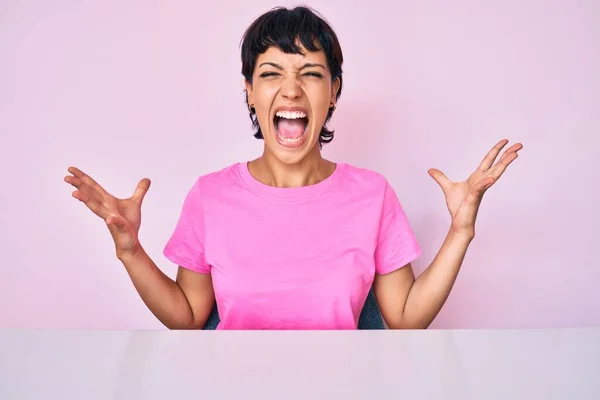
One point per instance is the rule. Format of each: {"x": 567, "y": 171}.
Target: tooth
{"x": 290, "y": 114}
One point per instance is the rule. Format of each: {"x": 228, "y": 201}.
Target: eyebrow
{"x": 307, "y": 65}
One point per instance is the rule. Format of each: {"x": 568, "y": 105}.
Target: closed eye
{"x": 267, "y": 74}
{"x": 312, "y": 74}
{"x": 315, "y": 74}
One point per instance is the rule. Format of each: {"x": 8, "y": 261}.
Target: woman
{"x": 291, "y": 240}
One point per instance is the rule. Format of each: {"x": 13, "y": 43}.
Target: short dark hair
{"x": 282, "y": 27}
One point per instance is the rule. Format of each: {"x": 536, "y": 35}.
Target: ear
{"x": 249, "y": 91}
{"x": 335, "y": 87}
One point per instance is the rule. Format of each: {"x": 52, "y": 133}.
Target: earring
{"x": 251, "y": 108}
{"x": 332, "y": 108}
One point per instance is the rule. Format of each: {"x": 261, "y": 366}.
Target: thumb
{"x": 440, "y": 178}
{"x": 141, "y": 190}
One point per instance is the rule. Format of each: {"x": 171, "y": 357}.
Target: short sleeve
{"x": 185, "y": 247}
{"x": 396, "y": 243}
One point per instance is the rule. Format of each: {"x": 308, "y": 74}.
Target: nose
{"x": 290, "y": 88}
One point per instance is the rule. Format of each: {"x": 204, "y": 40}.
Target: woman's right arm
{"x": 185, "y": 303}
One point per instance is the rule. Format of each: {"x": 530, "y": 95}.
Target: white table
{"x": 431, "y": 364}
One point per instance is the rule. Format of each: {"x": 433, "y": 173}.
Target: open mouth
{"x": 291, "y": 127}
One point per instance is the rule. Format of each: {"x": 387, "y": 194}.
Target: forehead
{"x": 276, "y": 55}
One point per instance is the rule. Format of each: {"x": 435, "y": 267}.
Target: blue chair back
{"x": 370, "y": 316}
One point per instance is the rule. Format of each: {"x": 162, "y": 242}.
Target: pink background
{"x": 126, "y": 90}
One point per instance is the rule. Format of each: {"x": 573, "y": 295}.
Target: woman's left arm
{"x": 409, "y": 303}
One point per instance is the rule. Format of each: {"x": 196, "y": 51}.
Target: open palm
{"x": 122, "y": 216}
{"x": 464, "y": 198}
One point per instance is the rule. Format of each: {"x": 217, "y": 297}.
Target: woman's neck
{"x": 272, "y": 172}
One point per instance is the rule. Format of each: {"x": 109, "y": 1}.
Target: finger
{"x": 79, "y": 196}
{"x": 86, "y": 179}
{"x": 141, "y": 190}
{"x": 75, "y": 171}
{"x": 73, "y": 180}
{"x": 91, "y": 202}
{"x": 490, "y": 157}
{"x": 512, "y": 149}
{"x": 498, "y": 169}
{"x": 440, "y": 178}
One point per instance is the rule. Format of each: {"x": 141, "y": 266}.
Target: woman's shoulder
{"x": 364, "y": 177}
{"x": 369, "y": 183}
{"x": 218, "y": 179}
{"x": 225, "y": 173}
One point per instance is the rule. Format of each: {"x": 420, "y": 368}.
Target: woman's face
{"x": 292, "y": 94}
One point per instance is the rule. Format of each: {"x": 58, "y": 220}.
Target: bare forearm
{"x": 431, "y": 289}
{"x": 161, "y": 294}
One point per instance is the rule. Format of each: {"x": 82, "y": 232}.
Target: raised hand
{"x": 464, "y": 198}
{"x": 122, "y": 216}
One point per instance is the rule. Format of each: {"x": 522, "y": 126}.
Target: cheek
{"x": 319, "y": 101}
{"x": 264, "y": 94}
{"x": 320, "y": 91}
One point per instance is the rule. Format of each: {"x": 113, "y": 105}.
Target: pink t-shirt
{"x": 292, "y": 258}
